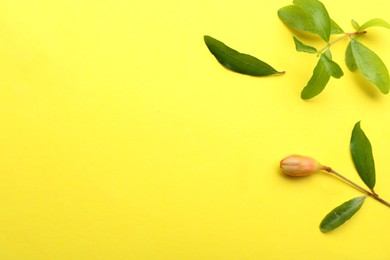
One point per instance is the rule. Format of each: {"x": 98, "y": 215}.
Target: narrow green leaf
{"x": 371, "y": 66}
{"x": 296, "y": 18}
{"x": 355, "y": 25}
{"x": 349, "y": 59}
{"x": 238, "y": 62}
{"x": 331, "y": 67}
{"x": 317, "y": 82}
{"x": 300, "y": 46}
{"x": 374, "y": 22}
{"x": 362, "y": 156}
{"x": 335, "y": 28}
{"x": 319, "y": 16}
{"x": 342, "y": 213}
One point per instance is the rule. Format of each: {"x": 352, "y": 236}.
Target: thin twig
{"x": 368, "y": 193}
{"x": 346, "y": 35}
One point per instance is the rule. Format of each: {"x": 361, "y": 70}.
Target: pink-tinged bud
{"x": 297, "y": 165}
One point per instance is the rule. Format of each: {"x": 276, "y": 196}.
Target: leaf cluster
{"x": 311, "y": 16}
{"x": 363, "y": 159}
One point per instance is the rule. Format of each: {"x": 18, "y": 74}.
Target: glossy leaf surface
{"x": 371, "y": 66}
{"x": 297, "y": 18}
{"x": 300, "y": 46}
{"x": 236, "y": 61}
{"x": 374, "y": 22}
{"x": 331, "y": 67}
{"x": 317, "y": 82}
{"x": 362, "y": 156}
{"x": 349, "y": 59}
{"x": 318, "y": 15}
{"x": 340, "y": 214}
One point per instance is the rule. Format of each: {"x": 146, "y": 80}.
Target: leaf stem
{"x": 371, "y": 193}
{"x": 346, "y": 35}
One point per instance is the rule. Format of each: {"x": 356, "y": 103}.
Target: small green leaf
{"x": 362, "y": 156}
{"x": 342, "y": 213}
{"x": 335, "y": 28}
{"x": 331, "y": 67}
{"x": 349, "y": 59}
{"x": 317, "y": 82}
{"x": 296, "y": 18}
{"x": 319, "y": 16}
{"x": 374, "y": 22}
{"x": 371, "y": 66}
{"x": 300, "y": 46}
{"x": 355, "y": 25}
{"x": 238, "y": 62}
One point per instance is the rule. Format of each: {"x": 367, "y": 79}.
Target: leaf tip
{"x": 358, "y": 126}
{"x": 324, "y": 230}
{"x": 305, "y": 96}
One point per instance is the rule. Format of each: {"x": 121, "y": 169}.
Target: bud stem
{"x": 371, "y": 193}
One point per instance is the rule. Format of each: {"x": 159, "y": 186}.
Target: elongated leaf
{"x": 296, "y": 18}
{"x": 300, "y": 46}
{"x": 349, "y": 59}
{"x": 317, "y": 82}
{"x": 319, "y": 16}
{"x": 355, "y": 25}
{"x": 362, "y": 156}
{"x": 335, "y": 28}
{"x": 374, "y": 22}
{"x": 236, "y": 61}
{"x": 371, "y": 66}
{"x": 331, "y": 67}
{"x": 342, "y": 213}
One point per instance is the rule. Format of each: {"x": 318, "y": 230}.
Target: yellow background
{"x": 121, "y": 137}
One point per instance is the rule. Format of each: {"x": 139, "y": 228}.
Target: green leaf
{"x": 374, "y": 22}
{"x": 355, "y": 25}
{"x": 236, "y": 61}
{"x": 296, "y": 18}
{"x": 319, "y": 16}
{"x": 362, "y": 157}
{"x": 335, "y": 28}
{"x": 371, "y": 66}
{"x": 300, "y": 46}
{"x": 342, "y": 213}
{"x": 349, "y": 59}
{"x": 317, "y": 82}
{"x": 331, "y": 67}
